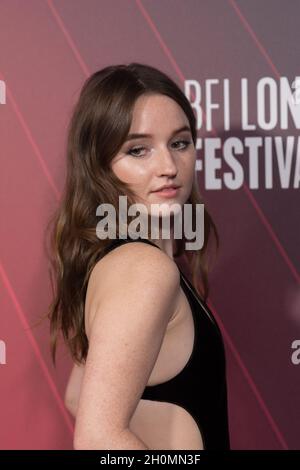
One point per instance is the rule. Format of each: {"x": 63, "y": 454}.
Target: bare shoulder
{"x": 131, "y": 270}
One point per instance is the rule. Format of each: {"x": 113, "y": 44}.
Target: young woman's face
{"x": 162, "y": 158}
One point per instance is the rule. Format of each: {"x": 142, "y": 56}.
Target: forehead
{"x": 153, "y": 113}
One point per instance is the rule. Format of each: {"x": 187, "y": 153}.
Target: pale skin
{"x": 125, "y": 336}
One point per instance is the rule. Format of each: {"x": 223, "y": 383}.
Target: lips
{"x": 169, "y": 192}
{"x": 163, "y": 188}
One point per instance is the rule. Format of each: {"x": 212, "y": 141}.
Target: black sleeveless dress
{"x": 200, "y": 387}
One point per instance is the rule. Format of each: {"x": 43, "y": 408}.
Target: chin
{"x": 165, "y": 209}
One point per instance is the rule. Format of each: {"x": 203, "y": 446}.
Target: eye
{"x": 183, "y": 142}
{"x": 135, "y": 151}
{"x": 132, "y": 151}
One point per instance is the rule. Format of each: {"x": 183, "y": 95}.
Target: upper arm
{"x": 138, "y": 297}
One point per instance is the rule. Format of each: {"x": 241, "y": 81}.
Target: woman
{"x": 150, "y": 362}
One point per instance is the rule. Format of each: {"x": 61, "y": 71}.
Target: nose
{"x": 166, "y": 163}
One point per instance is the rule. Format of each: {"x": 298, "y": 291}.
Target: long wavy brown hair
{"x": 97, "y": 130}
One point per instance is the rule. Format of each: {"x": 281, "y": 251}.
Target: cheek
{"x": 130, "y": 172}
{"x": 188, "y": 171}
{"x": 124, "y": 172}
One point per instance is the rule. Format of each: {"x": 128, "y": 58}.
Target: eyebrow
{"x": 140, "y": 136}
